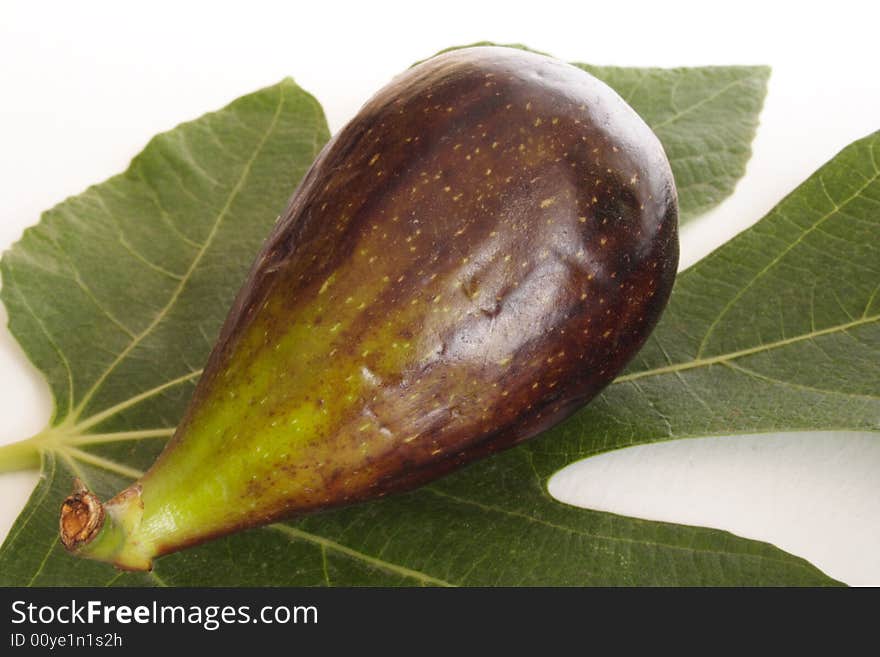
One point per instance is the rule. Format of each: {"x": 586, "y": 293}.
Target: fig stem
{"x": 82, "y": 517}
{"x": 105, "y": 532}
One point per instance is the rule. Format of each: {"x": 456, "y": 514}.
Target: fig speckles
{"x": 472, "y": 258}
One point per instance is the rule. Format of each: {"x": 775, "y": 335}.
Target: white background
{"x": 83, "y": 86}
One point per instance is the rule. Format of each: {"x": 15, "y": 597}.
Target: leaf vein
{"x": 294, "y": 533}
{"x": 779, "y": 256}
{"x": 180, "y": 287}
{"x": 579, "y": 532}
{"x": 45, "y": 331}
{"x": 721, "y": 358}
{"x": 690, "y": 108}
{"x": 774, "y": 380}
{"x": 46, "y": 476}
{"x": 152, "y": 265}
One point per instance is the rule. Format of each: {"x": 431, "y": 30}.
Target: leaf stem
{"x": 21, "y": 455}
{"x": 25, "y": 454}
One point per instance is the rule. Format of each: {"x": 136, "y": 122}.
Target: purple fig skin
{"x": 479, "y": 252}
{"x": 540, "y": 198}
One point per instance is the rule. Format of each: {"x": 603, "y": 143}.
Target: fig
{"x": 468, "y": 261}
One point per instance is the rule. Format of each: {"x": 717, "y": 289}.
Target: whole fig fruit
{"x": 472, "y": 258}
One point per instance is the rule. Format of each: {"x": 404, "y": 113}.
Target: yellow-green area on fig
{"x": 490, "y": 523}
{"x": 470, "y": 260}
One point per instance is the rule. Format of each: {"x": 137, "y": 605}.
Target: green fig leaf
{"x": 706, "y": 118}
{"x": 122, "y": 357}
